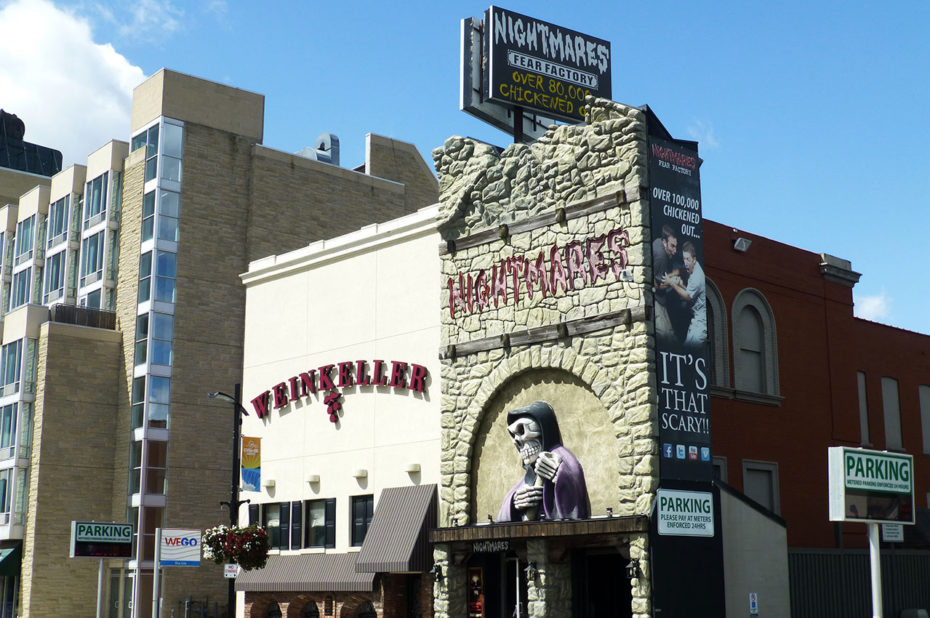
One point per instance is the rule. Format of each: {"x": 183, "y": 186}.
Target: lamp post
{"x": 234, "y": 502}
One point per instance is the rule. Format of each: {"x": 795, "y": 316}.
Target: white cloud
{"x": 703, "y": 133}
{"x": 876, "y": 308}
{"x": 73, "y": 94}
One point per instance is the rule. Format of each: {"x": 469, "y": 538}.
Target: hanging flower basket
{"x": 247, "y": 547}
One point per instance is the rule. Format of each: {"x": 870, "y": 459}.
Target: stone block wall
{"x": 70, "y": 468}
{"x": 566, "y": 222}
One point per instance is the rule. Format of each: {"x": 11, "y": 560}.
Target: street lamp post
{"x": 234, "y": 502}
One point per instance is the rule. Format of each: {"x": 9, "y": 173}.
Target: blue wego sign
{"x": 680, "y": 310}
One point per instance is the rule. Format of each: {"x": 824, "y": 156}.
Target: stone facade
{"x": 73, "y": 427}
{"x": 545, "y": 269}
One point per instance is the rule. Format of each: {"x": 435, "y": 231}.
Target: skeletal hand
{"x": 547, "y": 465}
{"x": 527, "y": 497}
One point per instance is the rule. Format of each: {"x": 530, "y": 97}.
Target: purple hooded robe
{"x": 566, "y": 496}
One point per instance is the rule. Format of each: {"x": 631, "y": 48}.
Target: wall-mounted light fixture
{"x": 436, "y": 572}
{"x": 531, "y": 571}
{"x": 742, "y": 244}
{"x": 610, "y": 512}
{"x": 360, "y": 474}
{"x": 632, "y": 569}
{"x": 412, "y": 468}
{"x": 268, "y": 483}
{"x": 313, "y": 479}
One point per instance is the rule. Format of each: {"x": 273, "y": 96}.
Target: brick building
{"x": 122, "y": 308}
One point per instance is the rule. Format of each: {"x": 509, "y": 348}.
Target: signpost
{"x": 873, "y": 487}
{"x": 173, "y": 547}
{"x": 94, "y": 539}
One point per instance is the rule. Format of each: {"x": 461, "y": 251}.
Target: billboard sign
{"x": 870, "y": 486}
{"x": 94, "y": 539}
{"x": 680, "y": 310}
{"x": 180, "y": 547}
{"x": 542, "y": 67}
{"x": 685, "y": 513}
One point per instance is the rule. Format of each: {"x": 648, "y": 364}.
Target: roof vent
{"x": 325, "y": 149}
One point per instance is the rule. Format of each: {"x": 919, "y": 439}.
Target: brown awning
{"x": 397, "y": 540}
{"x": 307, "y": 573}
{"x": 542, "y": 529}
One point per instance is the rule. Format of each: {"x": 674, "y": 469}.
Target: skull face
{"x": 526, "y": 435}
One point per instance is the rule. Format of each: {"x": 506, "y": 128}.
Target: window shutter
{"x": 296, "y": 525}
{"x": 285, "y": 525}
{"x": 331, "y": 522}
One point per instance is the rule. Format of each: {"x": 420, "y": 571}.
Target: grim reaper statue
{"x": 553, "y": 486}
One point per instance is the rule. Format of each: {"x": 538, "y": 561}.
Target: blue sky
{"x": 812, "y": 116}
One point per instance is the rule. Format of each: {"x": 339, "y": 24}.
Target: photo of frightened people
{"x": 679, "y": 285}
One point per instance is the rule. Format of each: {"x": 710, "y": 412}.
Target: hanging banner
{"x": 680, "y": 310}
{"x": 251, "y": 463}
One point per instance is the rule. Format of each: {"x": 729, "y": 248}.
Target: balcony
{"x": 83, "y": 316}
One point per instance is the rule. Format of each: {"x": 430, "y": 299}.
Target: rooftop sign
{"x": 870, "y": 486}
{"x": 520, "y": 74}
{"x": 544, "y": 67}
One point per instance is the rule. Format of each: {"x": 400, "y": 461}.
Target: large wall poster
{"x": 680, "y": 309}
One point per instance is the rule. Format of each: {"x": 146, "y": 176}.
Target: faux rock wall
{"x": 548, "y": 267}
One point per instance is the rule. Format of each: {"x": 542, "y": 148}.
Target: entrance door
{"x": 600, "y": 588}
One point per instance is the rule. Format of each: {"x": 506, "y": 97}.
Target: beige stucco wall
{"x": 755, "y": 559}
{"x": 364, "y": 296}
{"x": 67, "y": 181}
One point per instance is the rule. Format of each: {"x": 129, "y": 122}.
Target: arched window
{"x": 310, "y": 610}
{"x": 274, "y": 610}
{"x": 366, "y": 610}
{"x": 717, "y": 347}
{"x": 755, "y": 352}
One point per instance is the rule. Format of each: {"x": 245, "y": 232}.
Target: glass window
{"x": 271, "y": 516}
{"x": 138, "y": 401}
{"x": 162, "y": 333}
{"x": 135, "y": 467}
{"x": 5, "y": 494}
{"x": 165, "y": 271}
{"x": 321, "y": 523}
{"x": 892, "y": 409}
{"x": 21, "y": 283}
{"x": 8, "y": 426}
{"x": 58, "y": 221}
{"x": 95, "y": 200}
{"x": 169, "y": 204}
{"x": 25, "y": 239}
{"x": 145, "y": 277}
{"x": 362, "y": 510}
{"x": 54, "y": 277}
{"x": 92, "y": 300}
{"x": 92, "y": 259}
{"x": 760, "y": 483}
{"x": 159, "y": 397}
{"x": 755, "y": 345}
{"x": 151, "y": 152}
{"x": 924, "y": 396}
{"x": 142, "y": 336}
{"x": 863, "y": 409}
{"x": 10, "y": 357}
{"x": 148, "y": 215}
{"x": 172, "y": 140}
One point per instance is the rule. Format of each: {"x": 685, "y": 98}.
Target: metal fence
{"x": 834, "y": 583}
